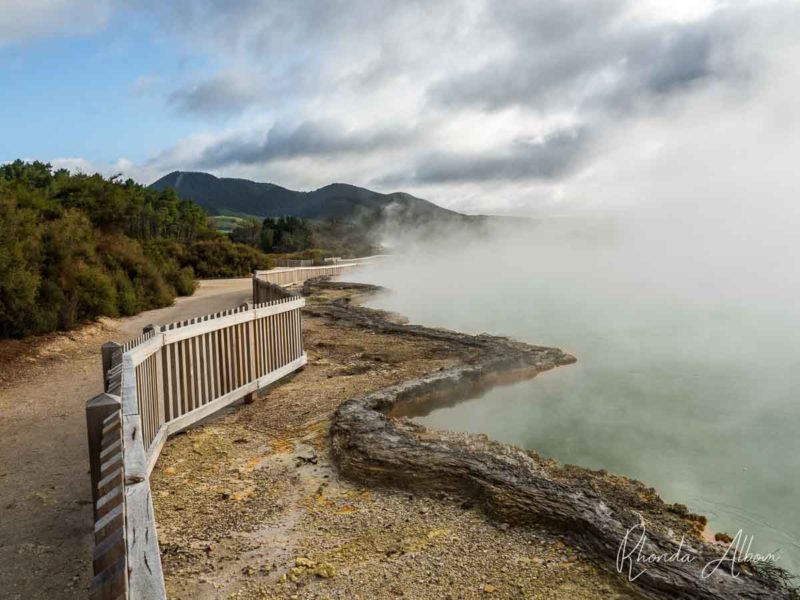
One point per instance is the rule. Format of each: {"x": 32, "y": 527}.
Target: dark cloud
{"x": 220, "y": 95}
{"x": 569, "y": 56}
{"x": 309, "y": 139}
{"x": 548, "y": 158}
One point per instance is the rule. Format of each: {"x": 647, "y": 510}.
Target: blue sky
{"x": 70, "y": 96}
{"x": 524, "y": 106}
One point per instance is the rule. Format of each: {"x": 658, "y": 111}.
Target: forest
{"x": 74, "y": 247}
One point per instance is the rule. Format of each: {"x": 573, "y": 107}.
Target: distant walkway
{"x": 45, "y": 497}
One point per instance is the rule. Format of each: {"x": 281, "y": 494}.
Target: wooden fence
{"x": 158, "y": 384}
{"x": 362, "y": 260}
{"x": 265, "y": 291}
{"x": 293, "y": 262}
{"x": 290, "y": 276}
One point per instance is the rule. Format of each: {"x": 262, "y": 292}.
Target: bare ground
{"x": 45, "y": 497}
{"x": 248, "y": 505}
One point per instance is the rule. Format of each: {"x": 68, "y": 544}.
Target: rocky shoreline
{"x": 322, "y": 489}
{"x": 372, "y": 446}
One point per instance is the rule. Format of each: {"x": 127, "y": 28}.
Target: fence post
{"x": 97, "y": 409}
{"x": 108, "y": 349}
{"x": 251, "y": 342}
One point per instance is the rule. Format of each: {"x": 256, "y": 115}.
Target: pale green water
{"x": 698, "y": 398}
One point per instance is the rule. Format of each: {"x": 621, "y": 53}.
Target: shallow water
{"x": 695, "y": 394}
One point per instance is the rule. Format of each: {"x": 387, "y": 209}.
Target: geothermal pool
{"x": 690, "y": 385}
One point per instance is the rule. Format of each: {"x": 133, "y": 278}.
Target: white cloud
{"x": 75, "y": 165}
{"x": 144, "y": 84}
{"x": 22, "y": 20}
{"x": 126, "y": 168}
{"x": 519, "y": 106}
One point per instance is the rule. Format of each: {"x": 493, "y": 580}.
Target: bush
{"x": 223, "y": 258}
{"x": 20, "y": 277}
{"x": 169, "y": 256}
{"x": 247, "y": 232}
{"x": 66, "y": 251}
{"x": 126, "y": 256}
{"x": 75, "y": 247}
{"x": 127, "y": 302}
{"x": 315, "y": 254}
{"x": 95, "y": 294}
{"x": 183, "y": 281}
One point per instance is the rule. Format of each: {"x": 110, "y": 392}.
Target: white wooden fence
{"x": 298, "y": 275}
{"x": 158, "y": 384}
{"x": 290, "y": 276}
{"x": 161, "y": 382}
{"x": 294, "y": 262}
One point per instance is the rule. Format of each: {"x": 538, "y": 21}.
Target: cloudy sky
{"x": 513, "y": 106}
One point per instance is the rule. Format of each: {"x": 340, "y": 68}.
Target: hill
{"x": 227, "y": 196}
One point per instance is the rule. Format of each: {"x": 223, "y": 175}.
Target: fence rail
{"x": 158, "y": 384}
{"x": 290, "y": 276}
{"x": 362, "y": 260}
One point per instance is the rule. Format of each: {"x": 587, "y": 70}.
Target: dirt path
{"x": 45, "y": 498}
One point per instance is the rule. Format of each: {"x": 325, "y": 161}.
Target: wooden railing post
{"x": 145, "y": 575}
{"x": 107, "y": 350}
{"x": 97, "y": 409}
{"x": 109, "y": 560}
{"x": 251, "y": 353}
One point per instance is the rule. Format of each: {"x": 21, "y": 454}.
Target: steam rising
{"x": 676, "y": 285}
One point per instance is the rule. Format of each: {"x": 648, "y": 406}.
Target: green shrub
{"x": 172, "y": 257}
{"x": 20, "y": 276}
{"x": 121, "y": 253}
{"x": 315, "y": 254}
{"x": 127, "y": 302}
{"x": 95, "y": 294}
{"x": 183, "y": 281}
{"x": 222, "y": 258}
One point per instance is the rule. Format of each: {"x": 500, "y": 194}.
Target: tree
{"x": 288, "y": 234}
{"x": 74, "y": 247}
{"x": 19, "y": 266}
{"x": 248, "y": 232}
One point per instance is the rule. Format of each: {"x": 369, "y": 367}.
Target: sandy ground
{"x": 249, "y": 506}
{"x": 45, "y": 497}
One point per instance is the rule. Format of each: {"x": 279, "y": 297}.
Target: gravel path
{"x": 45, "y": 497}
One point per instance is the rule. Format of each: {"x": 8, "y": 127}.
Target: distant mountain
{"x": 226, "y": 196}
